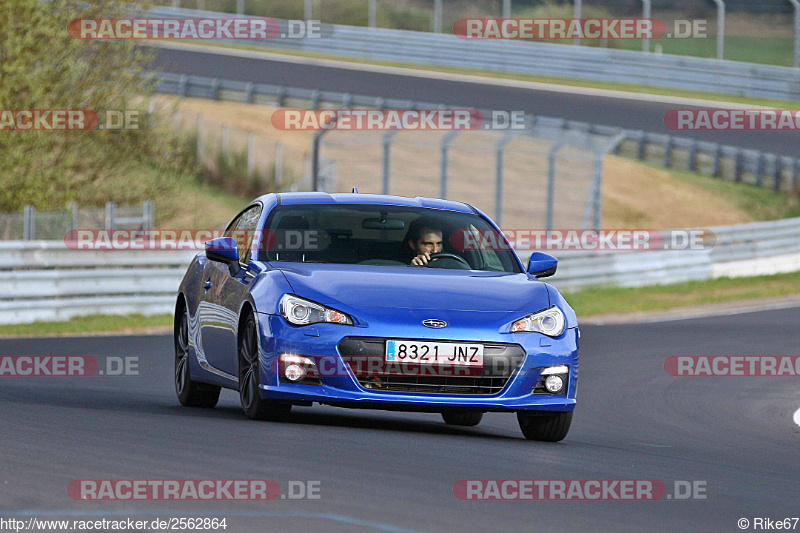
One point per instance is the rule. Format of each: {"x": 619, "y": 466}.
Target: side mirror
{"x": 542, "y": 265}
{"x": 224, "y": 250}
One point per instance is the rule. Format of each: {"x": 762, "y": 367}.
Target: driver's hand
{"x": 421, "y": 259}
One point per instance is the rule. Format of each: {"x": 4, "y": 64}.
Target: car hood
{"x": 415, "y": 288}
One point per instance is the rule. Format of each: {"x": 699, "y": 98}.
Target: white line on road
{"x": 797, "y": 417}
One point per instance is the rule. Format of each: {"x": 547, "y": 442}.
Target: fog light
{"x": 553, "y": 384}
{"x": 297, "y": 368}
{"x": 295, "y": 372}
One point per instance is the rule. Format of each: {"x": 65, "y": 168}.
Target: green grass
{"x": 569, "y": 82}
{"x": 598, "y": 301}
{"x": 90, "y": 324}
{"x": 139, "y": 181}
{"x": 765, "y": 50}
{"x": 761, "y": 203}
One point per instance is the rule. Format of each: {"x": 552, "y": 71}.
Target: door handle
{"x": 207, "y": 285}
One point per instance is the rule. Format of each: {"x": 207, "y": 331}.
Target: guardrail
{"x": 537, "y": 58}
{"x": 46, "y": 281}
{"x": 760, "y": 248}
{"x": 781, "y": 173}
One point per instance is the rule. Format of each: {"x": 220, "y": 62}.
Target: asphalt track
{"x": 611, "y": 111}
{"x": 382, "y": 471}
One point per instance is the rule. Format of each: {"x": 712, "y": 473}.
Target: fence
{"x": 490, "y": 8}
{"x": 538, "y": 58}
{"x": 438, "y": 15}
{"x": 781, "y": 173}
{"x": 33, "y": 224}
{"x": 46, "y": 281}
{"x": 564, "y": 167}
{"x": 239, "y": 161}
{"x": 539, "y": 176}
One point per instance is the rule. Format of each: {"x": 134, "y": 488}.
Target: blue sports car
{"x": 380, "y": 302}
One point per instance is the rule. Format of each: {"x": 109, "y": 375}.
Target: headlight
{"x": 551, "y": 322}
{"x": 300, "y": 312}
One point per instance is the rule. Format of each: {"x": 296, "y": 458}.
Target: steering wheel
{"x": 445, "y": 255}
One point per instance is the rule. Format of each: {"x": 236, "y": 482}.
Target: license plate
{"x": 442, "y": 353}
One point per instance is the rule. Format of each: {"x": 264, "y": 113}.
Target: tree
{"x": 42, "y": 67}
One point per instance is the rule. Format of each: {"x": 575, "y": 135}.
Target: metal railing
{"x": 44, "y": 280}
{"x": 760, "y": 248}
{"x": 781, "y": 173}
{"x": 371, "y": 7}
{"x": 538, "y": 58}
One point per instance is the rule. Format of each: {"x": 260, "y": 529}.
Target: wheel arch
{"x": 245, "y": 311}
{"x": 180, "y": 305}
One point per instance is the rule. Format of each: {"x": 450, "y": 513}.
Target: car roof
{"x": 305, "y": 198}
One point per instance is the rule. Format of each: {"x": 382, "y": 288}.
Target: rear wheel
{"x": 255, "y": 407}
{"x": 462, "y": 418}
{"x": 190, "y": 393}
{"x": 550, "y": 427}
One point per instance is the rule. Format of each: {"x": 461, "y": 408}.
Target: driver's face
{"x": 430, "y": 242}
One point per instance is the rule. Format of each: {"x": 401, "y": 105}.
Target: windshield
{"x": 389, "y": 236}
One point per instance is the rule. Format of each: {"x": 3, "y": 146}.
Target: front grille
{"x": 501, "y": 361}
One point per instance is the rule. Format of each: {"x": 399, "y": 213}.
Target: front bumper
{"x": 320, "y": 342}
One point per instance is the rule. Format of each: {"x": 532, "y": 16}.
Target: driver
{"x": 424, "y": 239}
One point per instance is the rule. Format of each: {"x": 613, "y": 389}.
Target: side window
{"x": 232, "y": 226}
{"x": 242, "y": 229}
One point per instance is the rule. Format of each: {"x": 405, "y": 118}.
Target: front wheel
{"x": 255, "y": 407}
{"x": 190, "y": 393}
{"x": 549, "y": 427}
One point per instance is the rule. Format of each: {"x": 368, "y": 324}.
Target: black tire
{"x": 462, "y": 418}
{"x": 190, "y": 393}
{"x": 254, "y": 406}
{"x": 544, "y": 426}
